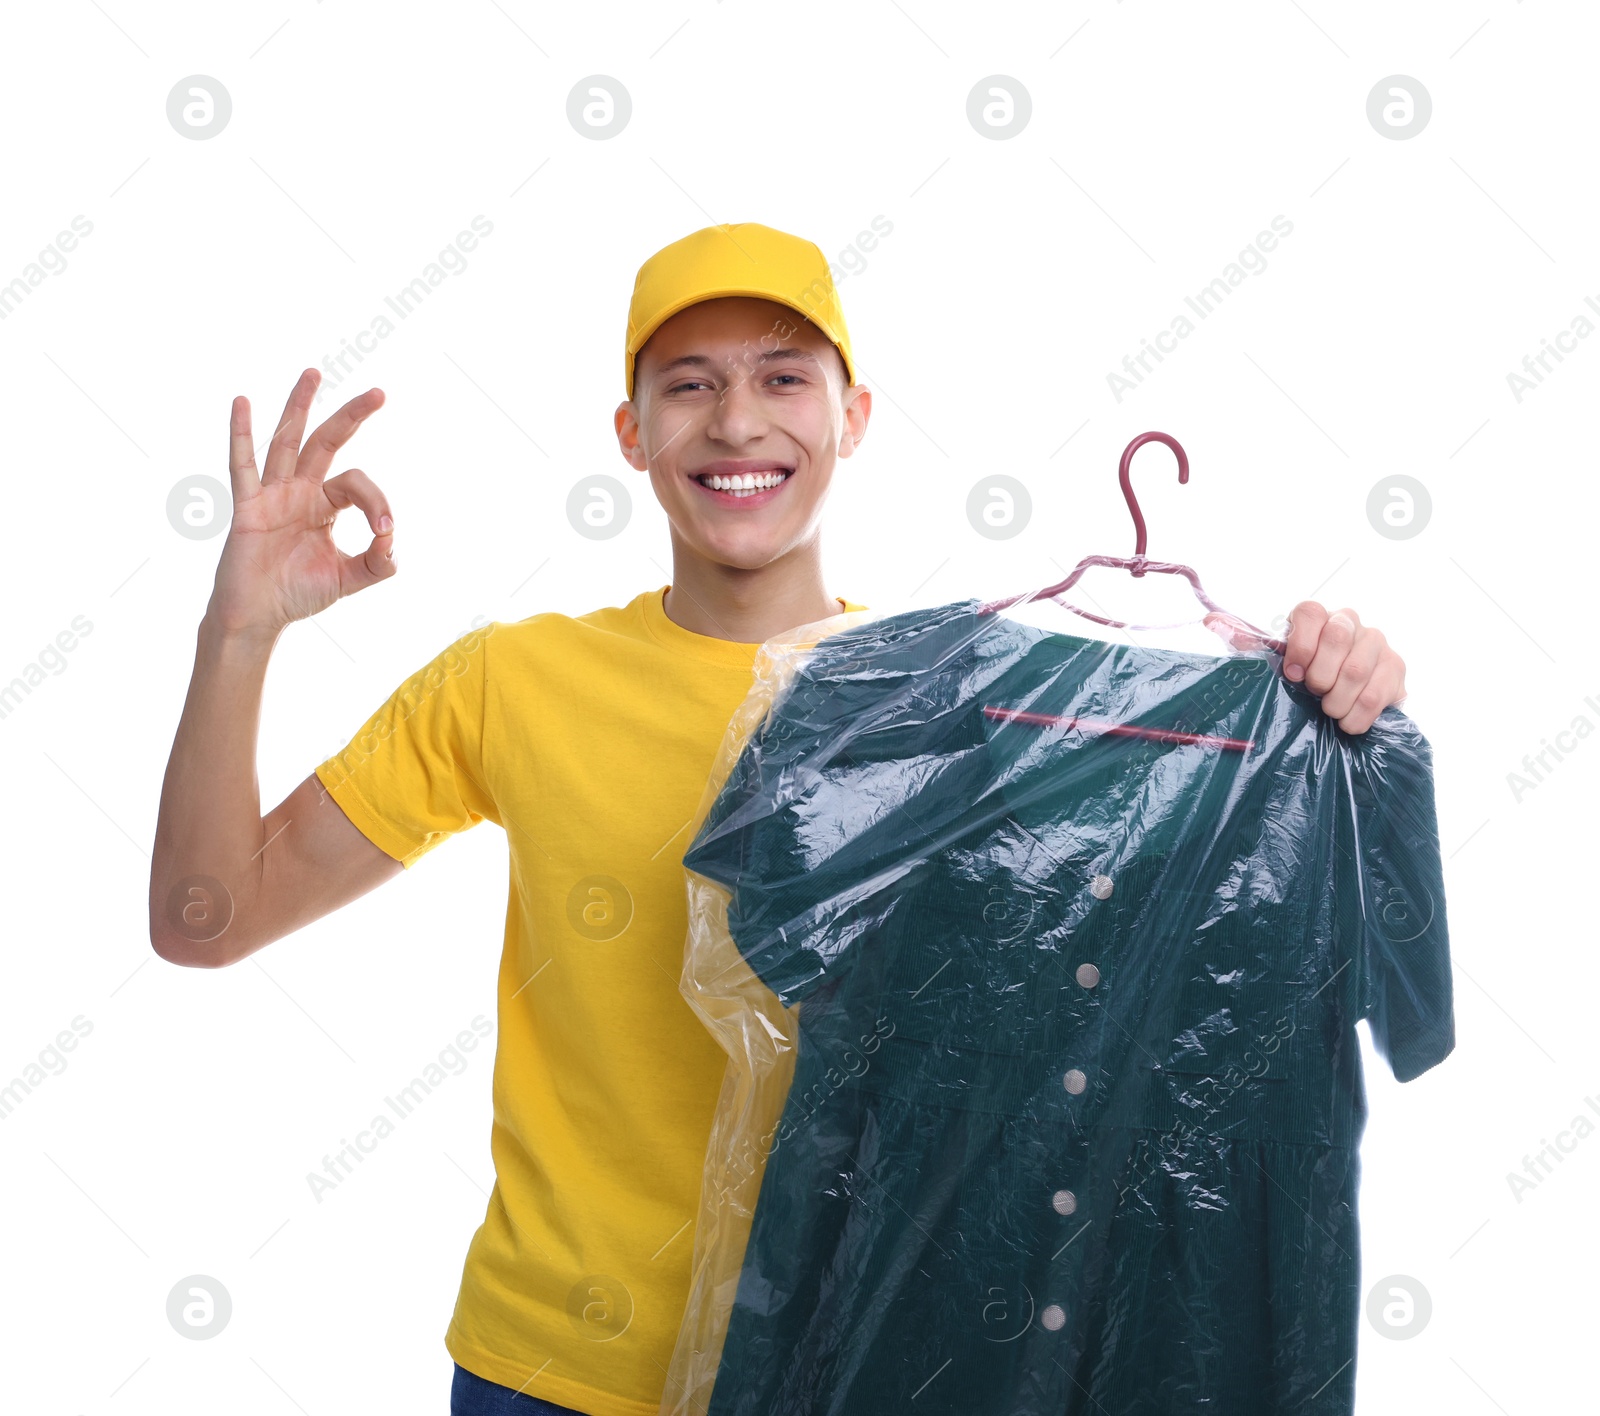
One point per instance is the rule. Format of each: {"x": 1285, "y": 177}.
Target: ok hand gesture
{"x": 279, "y": 562}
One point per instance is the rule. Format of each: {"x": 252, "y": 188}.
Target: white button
{"x": 1054, "y": 1317}
{"x": 1100, "y": 887}
{"x": 1088, "y": 975}
{"x": 1063, "y": 1202}
{"x": 1075, "y": 1081}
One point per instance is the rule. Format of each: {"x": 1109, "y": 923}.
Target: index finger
{"x": 329, "y": 436}
{"x": 1305, "y": 627}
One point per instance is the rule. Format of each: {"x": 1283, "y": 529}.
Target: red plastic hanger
{"x": 1137, "y": 564}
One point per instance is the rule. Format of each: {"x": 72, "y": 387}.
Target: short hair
{"x": 844, "y": 368}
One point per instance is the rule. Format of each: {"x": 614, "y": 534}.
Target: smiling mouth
{"x": 742, "y": 486}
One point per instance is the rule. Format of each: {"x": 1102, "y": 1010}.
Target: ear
{"x": 626, "y": 420}
{"x": 857, "y": 413}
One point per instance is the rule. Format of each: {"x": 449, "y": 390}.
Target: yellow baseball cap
{"x": 744, "y": 259}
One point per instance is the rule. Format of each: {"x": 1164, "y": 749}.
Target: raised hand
{"x": 279, "y": 562}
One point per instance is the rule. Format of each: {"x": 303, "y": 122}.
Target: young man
{"x": 589, "y": 740}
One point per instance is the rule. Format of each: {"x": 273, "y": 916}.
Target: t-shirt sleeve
{"x": 413, "y": 774}
{"x": 1398, "y": 904}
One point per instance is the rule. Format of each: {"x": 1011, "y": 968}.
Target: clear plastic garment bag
{"x": 1038, "y": 960}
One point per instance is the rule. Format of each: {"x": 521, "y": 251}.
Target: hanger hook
{"x": 1127, "y": 485}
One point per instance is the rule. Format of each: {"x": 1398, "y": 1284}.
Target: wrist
{"x": 244, "y": 642}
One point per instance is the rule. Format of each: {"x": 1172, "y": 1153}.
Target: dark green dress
{"x": 1078, "y": 1094}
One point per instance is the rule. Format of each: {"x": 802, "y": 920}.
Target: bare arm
{"x": 224, "y": 880}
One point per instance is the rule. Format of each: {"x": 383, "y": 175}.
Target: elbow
{"x": 198, "y": 928}
{"x": 189, "y": 955}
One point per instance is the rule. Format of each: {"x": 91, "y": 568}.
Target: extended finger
{"x": 1355, "y": 673}
{"x": 1337, "y": 636}
{"x": 1305, "y": 625}
{"x": 242, "y": 471}
{"x": 317, "y": 455}
{"x": 285, "y": 444}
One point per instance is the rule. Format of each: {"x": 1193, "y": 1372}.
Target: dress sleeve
{"x": 1397, "y": 902}
{"x": 767, "y": 839}
{"x": 861, "y": 770}
{"x": 413, "y": 774}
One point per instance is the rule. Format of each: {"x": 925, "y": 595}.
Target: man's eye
{"x": 795, "y": 377}
{"x": 688, "y": 383}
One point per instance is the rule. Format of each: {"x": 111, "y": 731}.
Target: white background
{"x": 1017, "y": 275}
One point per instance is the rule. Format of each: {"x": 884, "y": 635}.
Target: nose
{"x": 740, "y": 415}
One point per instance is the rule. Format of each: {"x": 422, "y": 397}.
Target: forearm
{"x": 209, "y": 830}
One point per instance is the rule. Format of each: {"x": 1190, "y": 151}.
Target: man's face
{"x": 741, "y": 390}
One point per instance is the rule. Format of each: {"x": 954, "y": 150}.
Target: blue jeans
{"x": 472, "y": 1395}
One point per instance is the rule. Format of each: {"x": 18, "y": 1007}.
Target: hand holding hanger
{"x": 1348, "y": 665}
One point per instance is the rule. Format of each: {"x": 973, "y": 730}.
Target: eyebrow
{"x": 701, "y": 361}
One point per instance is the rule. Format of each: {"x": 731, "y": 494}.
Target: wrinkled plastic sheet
{"x": 1038, "y": 960}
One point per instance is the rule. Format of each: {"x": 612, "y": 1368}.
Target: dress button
{"x": 1064, "y": 1202}
{"x": 1100, "y": 887}
{"x": 1075, "y": 1081}
{"x": 1054, "y": 1317}
{"x": 1088, "y": 975}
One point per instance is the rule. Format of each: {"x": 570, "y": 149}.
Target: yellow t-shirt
{"x": 589, "y": 740}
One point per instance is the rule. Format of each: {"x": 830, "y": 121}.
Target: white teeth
{"x": 744, "y": 483}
